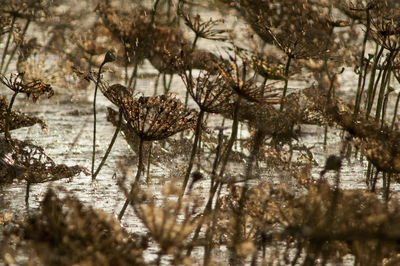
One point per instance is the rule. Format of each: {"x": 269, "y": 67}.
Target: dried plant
{"x": 202, "y": 29}
{"x": 160, "y": 44}
{"x": 155, "y": 118}
{"x": 16, "y": 83}
{"x": 211, "y": 97}
{"x": 66, "y": 232}
{"x": 22, "y": 9}
{"x": 164, "y": 223}
{"x": 17, "y": 119}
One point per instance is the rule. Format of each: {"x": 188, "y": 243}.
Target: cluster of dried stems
{"x": 259, "y": 223}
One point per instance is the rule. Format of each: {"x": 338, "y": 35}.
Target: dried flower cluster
{"x": 156, "y": 118}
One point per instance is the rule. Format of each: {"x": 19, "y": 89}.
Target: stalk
{"x": 138, "y": 174}
{"x": 286, "y": 80}
{"x": 395, "y": 110}
{"x": 194, "y": 150}
{"x": 372, "y": 77}
{"x": 94, "y": 120}
{"x": 109, "y": 57}
{"x": 7, "y": 43}
{"x": 7, "y": 124}
{"x": 232, "y": 139}
{"x": 109, "y": 146}
{"x": 16, "y": 47}
{"x": 358, "y": 94}
{"x": 384, "y": 82}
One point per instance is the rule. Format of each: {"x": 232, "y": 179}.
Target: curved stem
{"x": 140, "y": 167}
{"x": 7, "y": 123}
{"x": 94, "y": 120}
{"x": 109, "y": 146}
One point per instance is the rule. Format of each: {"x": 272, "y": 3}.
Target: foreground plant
{"x": 65, "y": 232}
{"x": 171, "y": 225}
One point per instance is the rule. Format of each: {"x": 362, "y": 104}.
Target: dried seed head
{"x": 109, "y": 57}
{"x": 156, "y": 118}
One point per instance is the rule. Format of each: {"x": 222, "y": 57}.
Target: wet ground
{"x": 68, "y": 140}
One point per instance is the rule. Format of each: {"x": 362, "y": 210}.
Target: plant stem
{"x": 7, "y": 123}
{"x": 232, "y": 139}
{"x": 153, "y": 12}
{"x": 133, "y": 75}
{"x": 16, "y": 46}
{"x": 149, "y": 163}
{"x": 94, "y": 119}
{"x": 358, "y": 94}
{"x": 194, "y": 150}
{"x": 286, "y": 80}
{"x": 138, "y": 174}
{"x": 109, "y": 146}
{"x": 7, "y": 43}
{"x": 395, "y": 110}
{"x": 371, "y": 87}
{"x": 384, "y": 83}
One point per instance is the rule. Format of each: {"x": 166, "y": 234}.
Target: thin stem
{"x": 94, "y": 120}
{"x": 149, "y": 163}
{"x": 194, "y": 149}
{"x": 28, "y": 187}
{"x": 133, "y": 75}
{"x": 110, "y": 146}
{"x": 153, "y": 12}
{"x": 7, "y": 124}
{"x": 16, "y": 46}
{"x": 358, "y": 94}
{"x": 138, "y": 174}
{"x": 7, "y": 43}
{"x": 371, "y": 87}
{"x": 395, "y": 110}
{"x": 384, "y": 83}
{"x": 232, "y": 139}
{"x": 385, "y": 101}
{"x": 286, "y": 80}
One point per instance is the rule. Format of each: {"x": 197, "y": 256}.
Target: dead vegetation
{"x": 253, "y": 81}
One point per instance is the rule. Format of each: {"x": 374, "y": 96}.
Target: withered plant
{"x": 171, "y": 223}
{"x": 16, "y": 83}
{"x": 295, "y": 27}
{"x": 154, "y": 118}
{"x": 17, "y": 119}
{"x": 21, "y": 9}
{"x": 212, "y": 97}
{"x": 65, "y": 232}
{"x": 39, "y": 167}
{"x": 144, "y": 37}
